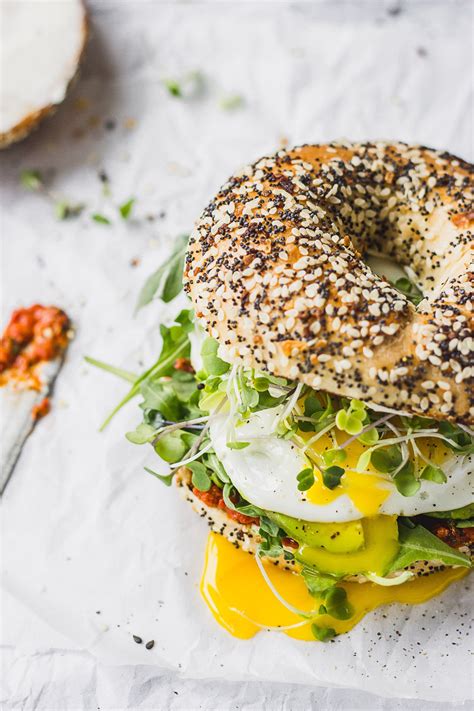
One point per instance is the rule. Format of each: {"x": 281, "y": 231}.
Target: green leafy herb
{"x": 332, "y": 476}
{"x": 167, "y": 281}
{"x": 213, "y": 365}
{"x": 173, "y": 87}
{"x": 405, "y": 480}
{"x": 408, "y": 289}
{"x": 317, "y": 582}
{"x": 233, "y": 501}
{"x": 175, "y": 345}
{"x": 126, "y": 208}
{"x": 200, "y": 478}
{"x": 231, "y": 102}
{"x": 337, "y": 604}
{"x": 458, "y": 440}
{"x": 142, "y": 434}
{"x": 334, "y": 456}
{"x": 352, "y": 419}
{"x": 119, "y": 372}
{"x": 172, "y": 447}
{"x": 31, "y": 179}
{"x": 370, "y": 437}
{"x": 101, "y": 219}
{"x": 65, "y": 210}
{"x": 305, "y": 479}
{"x": 322, "y": 634}
{"x": 271, "y": 535}
{"x": 387, "y": 459}
{"x": 417, "y": 543}
{"x": 434, "y": 473}
{"x": 165, "y": 479}
{"x": 237, "y": 445}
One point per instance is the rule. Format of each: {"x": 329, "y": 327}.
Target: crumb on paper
{"x": 129, "y": 123}
{"x": 81, "y": 103}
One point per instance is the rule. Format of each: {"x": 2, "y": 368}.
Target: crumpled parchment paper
{"x": 93, "y": 545}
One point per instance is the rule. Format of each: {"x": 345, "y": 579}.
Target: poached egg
{"x": 265, "y": 472}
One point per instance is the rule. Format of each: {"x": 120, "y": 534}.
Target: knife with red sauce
{"x": 32, "y": 350}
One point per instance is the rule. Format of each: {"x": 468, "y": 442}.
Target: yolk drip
{"x": 366, "y": 491}
{"x": 241, "y": 602}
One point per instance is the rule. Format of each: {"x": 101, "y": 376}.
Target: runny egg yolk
{"x": 241, "y": 602}
{"x": 367, "y": 491}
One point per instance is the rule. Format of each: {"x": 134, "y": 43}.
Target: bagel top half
{"x": 276, "y": 271}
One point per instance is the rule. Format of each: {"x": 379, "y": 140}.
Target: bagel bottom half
{"x": 246, "y": 536}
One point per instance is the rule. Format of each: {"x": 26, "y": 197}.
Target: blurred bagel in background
{"x": 40, "y": 51}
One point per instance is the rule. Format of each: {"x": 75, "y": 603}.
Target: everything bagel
{"x": 276, "y": 271}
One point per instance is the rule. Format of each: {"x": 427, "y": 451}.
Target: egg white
{"x": 265, "y": 475}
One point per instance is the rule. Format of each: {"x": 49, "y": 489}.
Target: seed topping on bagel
{"x": 276, "y": 271}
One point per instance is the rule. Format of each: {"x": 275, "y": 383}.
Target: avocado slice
{"x": 335, "y": 537}
{"x": 380, "y": 548}
{"x": 464, "y": 513}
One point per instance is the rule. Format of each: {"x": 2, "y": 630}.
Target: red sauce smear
{"x": 215, "y": 499}
{"x": 33, "y": 335}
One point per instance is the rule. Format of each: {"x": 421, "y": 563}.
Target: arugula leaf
{"x": 119, "y": 372}
{"x": 418, "y": 543}
{"x": 167, "y": 281}
{"x": 175, "y": 344}
{"x": 217, "y": 472}
{"x": 165, "y": 479}
{"x": 162, "y": 399}
{"x": 229, "y": 491}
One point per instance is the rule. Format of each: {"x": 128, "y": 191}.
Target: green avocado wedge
{"x": 466, "y": 512}
{"x": 334, "y": 537}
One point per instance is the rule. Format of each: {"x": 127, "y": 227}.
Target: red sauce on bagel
{"x": 215, "y": 499}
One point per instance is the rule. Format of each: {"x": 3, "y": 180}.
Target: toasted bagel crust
{"x": 276, "y": 273}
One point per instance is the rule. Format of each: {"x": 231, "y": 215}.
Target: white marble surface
{"x": 307, "y": 72}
